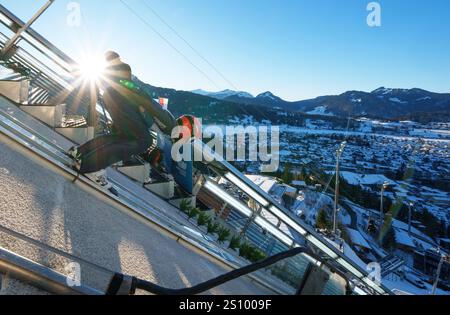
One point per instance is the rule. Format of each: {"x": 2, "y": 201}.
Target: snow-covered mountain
{"x": 223, "y": 94}
{"x": 266, "y": 99}
{"x": 269, "y": 95}
{"x": 386, "y": 103}
{"x": 263, "y": 99}
{"x": 382, "y": 102}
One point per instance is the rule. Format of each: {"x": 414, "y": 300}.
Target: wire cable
{"x": 255, "y": 107}
{"x": 168, "y": 42}
{"x": 190, "y": 46}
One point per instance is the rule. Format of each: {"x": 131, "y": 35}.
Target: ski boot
{"x": 101, "y": 179}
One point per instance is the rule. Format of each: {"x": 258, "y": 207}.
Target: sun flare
{"x": 92, "y": 68}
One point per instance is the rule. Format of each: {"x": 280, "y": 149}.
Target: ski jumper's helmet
{"x": 192, "y": 124}
{"x": 153, "y": 156}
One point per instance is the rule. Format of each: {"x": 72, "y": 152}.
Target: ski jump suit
{"x": 130, "y": 134}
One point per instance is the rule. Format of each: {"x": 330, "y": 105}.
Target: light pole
{"x": 438, "y": 273}
{"x": 339, "y": 153}
{"x": 410, "y": 205}
{"x": 383, "y": 188}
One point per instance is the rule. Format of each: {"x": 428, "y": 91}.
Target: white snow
{"x": 430, "y": 133}
{"x": 223, "y": 94}
{"x": 348, "y": 251}
{"x": 361, "y": 179}
{"x": 357, "y": 238}
{"x": 265, "y": 183}
{"x": 320, "y": 110}
{"x": 308, "y": 203}
{"x": 321, "y": 131}
{"x": 244, "y": 95}
{"x": 407, "y": 287}
{"x": 397, "y": 100}
{"x": 345, "y": 218}
{"x": 383, "y": 91}
{"x": 402, "y": 237}
{"x": 267, "y": 95}
{"x": 423, "y": 98}
{"x": 404, "y": 226}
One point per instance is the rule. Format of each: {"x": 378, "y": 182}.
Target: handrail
{"x": 41, "y": 277}
{"x": 67, "y": 64}
{"x": 165, "y": 227}
{"x": 221, "y": 167}
{"x": 17, "y": 23}
{"x": 232, "y": 275}
{"x": 55, "y": 73}
{"x": 50, "y": 280}
{"x": 13, "y": 40}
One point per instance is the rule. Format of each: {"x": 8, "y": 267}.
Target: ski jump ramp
{"x": 41, "y": 202}
{"x": 52, "y": 226}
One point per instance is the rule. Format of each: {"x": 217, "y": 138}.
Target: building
{"x": 428, "y": 262}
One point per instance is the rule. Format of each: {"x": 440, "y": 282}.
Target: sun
{"x": 92, "y": 68}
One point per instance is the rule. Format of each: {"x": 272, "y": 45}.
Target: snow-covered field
{"x": 320, "y": 110}
{"x": 365, "y": 179}
{"x": 400, "y": 286}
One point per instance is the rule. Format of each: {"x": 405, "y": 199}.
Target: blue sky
{"x": 296, "y": 49}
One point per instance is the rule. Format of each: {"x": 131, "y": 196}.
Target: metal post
{"x": 383, "y": 188}
{"x": 222, "y": 211}
{"x": 249, "y": 222}
{"x": 438, "y": 274}
{"x": 336, "y": 191}
{"x": 381, "y": 205}
{"x": 13, "y": 40}
{"x": 409, "y": 219}
{"x": 336, "y": 194}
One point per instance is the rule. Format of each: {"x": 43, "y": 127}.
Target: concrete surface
{"x": 15, "y": 287}
{"x": 47, "y": 207}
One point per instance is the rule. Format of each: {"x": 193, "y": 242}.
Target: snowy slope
{"x": 370, "y": 179}
{"x": 223, "y": 94}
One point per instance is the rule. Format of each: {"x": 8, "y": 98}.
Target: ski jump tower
{"x": 52, "y": 229}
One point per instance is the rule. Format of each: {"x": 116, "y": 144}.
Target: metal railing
{"x": 49, "y": 68}
{"x": 53, "y": 71}
{"x": 296, "y": 234}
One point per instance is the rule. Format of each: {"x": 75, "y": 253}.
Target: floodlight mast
{"x": 383, "y": 188}
{"x": 339, "y": 153}
{"x": 410, "y": 205}
{"x": 438, "y": 272}
{"x": 13, "y": 40}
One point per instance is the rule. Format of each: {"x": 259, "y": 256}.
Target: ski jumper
{"x": 130, "y": 135}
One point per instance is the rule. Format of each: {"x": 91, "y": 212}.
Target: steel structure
{"x": 52, "y": 71}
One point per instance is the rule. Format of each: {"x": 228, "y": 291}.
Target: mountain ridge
{"x": 381, "y": 103}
